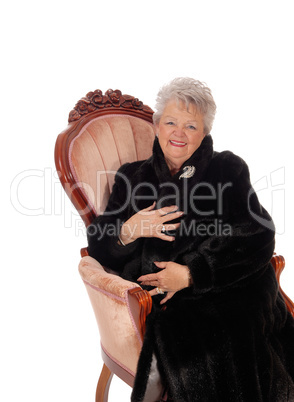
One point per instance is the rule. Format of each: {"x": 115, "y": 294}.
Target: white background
{"x": 52, "y": 54}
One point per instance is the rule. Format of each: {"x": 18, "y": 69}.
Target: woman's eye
{"x": 191, "y": 127}
{"x": 170, "y": 123}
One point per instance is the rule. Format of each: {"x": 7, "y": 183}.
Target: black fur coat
{"x": 229, "y": 337}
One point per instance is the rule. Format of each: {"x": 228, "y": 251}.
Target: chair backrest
{"x": 104, "y": 131}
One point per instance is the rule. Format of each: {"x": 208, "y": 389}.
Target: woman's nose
{"x": 179, "y": 132}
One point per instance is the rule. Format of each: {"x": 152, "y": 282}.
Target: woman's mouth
{"x": 177, "y": 143}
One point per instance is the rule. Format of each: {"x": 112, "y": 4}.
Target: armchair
{"x": 105, "y": 131}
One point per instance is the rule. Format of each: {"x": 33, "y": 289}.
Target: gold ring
{"x": 159, "y": 291}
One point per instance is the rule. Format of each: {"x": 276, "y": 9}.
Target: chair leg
{"x": 103, "y": 384}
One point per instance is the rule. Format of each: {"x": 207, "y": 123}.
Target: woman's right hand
{"x": 149, "y": 222}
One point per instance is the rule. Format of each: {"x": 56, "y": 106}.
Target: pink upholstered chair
{"x": 105, "y": 131}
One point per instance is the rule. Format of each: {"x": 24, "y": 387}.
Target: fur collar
{"x": 199, "y": 160}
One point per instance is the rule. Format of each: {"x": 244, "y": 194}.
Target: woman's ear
{"x": 156, "y": 129}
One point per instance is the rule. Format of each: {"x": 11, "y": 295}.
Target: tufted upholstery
{"x": 101, "y": 147}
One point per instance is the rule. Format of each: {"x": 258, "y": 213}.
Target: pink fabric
{"x": 109, "y": 297}
{"x": 104, "y": 144}
{"x": 93, "y": 273}
{"x": 117, "y": 362}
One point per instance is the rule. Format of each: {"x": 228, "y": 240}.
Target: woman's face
{"x": 180, "y": 133}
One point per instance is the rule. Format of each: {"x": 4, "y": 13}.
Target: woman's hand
{"x": 171, "y": 279}
{"x": 149, "y": 222}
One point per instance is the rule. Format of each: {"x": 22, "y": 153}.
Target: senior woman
{"x": 193, "y": 232}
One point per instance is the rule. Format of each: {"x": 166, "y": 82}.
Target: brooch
{"x": 188, "y": 172}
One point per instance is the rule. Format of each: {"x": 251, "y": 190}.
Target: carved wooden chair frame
{"x": 96, "y": 104}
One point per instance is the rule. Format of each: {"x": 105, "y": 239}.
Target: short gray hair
{"x": 189, "y": 91}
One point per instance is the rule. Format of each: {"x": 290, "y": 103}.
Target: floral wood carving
{"x": 112, "y": 99}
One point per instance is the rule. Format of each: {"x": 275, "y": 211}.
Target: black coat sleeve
{"x": 229, "y": 259}
{"x": 102, "y": 234}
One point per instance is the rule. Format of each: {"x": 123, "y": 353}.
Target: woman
{"x": 193, "y": 232}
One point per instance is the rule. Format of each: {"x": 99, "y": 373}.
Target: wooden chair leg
{"x": 103, "y": 384}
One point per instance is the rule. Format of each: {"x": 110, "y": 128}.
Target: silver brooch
{"x": 188, "y": 172}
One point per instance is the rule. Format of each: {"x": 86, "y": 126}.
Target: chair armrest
{"x": 94, "y": 274}
{"x": 84, "y": 252}
{"x": 140, "y": 304}
{"x": 278, "y": 262}
{"x": 139, "y": 301}
{"x": 120, "y": 307}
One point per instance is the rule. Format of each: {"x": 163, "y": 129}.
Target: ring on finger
{"x": 159, "y": 291}
{"x": 163, "y": 229}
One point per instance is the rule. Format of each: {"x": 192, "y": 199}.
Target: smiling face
{"x": 180, "y": 133}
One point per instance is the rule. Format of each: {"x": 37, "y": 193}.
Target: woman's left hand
{"x": 172, "y": 278}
